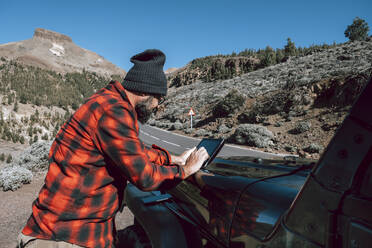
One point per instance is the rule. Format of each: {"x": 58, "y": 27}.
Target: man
{"x": 93, "y": 156}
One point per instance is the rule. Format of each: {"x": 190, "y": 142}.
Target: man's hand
{"x": 195, "y": 161}
{"x": 181, "y": 159}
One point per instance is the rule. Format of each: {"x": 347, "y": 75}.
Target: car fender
{"x": 163, "y": 227}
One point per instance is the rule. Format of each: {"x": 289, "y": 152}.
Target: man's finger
{"x": 202, "y": 149}
{"x": 204, "y": 152}
{"x": 188, "y": 152}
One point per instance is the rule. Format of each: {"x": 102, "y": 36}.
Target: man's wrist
{"x": 186, "y": 171}
{"x": 177, "y": 160}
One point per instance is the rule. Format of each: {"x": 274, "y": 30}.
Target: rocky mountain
{"x": 57, "y": 52}
{"x": 294, "y": 106}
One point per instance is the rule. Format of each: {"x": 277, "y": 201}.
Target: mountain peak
{"x": 57, "y": 52}
{"x": 51, "y": 35}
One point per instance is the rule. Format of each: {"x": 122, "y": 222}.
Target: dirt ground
{"x": 16, "y": 208}
{"x": 323, "y": 125}
{"x": 9, "y": 148}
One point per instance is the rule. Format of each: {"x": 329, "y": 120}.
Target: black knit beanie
{"x": 147, "y": 75}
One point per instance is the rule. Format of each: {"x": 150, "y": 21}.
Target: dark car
{"x": 253, "y": 202}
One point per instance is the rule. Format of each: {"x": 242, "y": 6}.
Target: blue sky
{"x": 184, "y": 30}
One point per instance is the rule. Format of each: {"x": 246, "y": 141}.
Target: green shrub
{"x": 232, "y": 102}
{"x": 13, "y": 177}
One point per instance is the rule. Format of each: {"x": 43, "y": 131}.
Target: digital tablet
{"x": 213, "y": 147}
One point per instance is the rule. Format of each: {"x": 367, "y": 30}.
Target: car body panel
{"x": 228, "y": 205}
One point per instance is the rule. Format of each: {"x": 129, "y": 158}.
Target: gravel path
{"x": 16, "y": 208}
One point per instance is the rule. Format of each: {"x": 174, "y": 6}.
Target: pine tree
{"x": 358, "y": 30}
{"x": 2, "y": 157}
{"x": 1, "y": 117}
{"x": 290, "y": 48}
{"x": 10, "y": 99}
{"x": 16, "y": 106}
{"x": 279, "y": 55}
{"x": 44, "y": 137}
{"x": 22, "y": 139}
{"x": 30, "y": 131}
{"x": 269, "y": 57}
{"x": 23, "y": 98}
{"x": 9, "y": 159}
{"x": 37, "y": 114}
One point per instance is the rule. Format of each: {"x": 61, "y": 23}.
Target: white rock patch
{"x": 57, "y": 50}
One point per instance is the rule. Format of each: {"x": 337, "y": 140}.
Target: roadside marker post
{"x": 191, "y": 114}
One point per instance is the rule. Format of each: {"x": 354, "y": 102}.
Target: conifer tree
{"x": 16, "y": 106}
{"x": 9, "y": 159}
{"x": 358, "y": 30}
{"x": 269, "y": 57}
{"x": 279, "y": 55}
{"x": 22, "y": 140}
{"x": 2, "y": 157}
{"x": 290, "y": 48}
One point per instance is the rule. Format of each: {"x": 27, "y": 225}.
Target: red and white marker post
{"x": 191, "y": 114}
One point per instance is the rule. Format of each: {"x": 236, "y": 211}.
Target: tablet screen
{"x": 213, "y": 146}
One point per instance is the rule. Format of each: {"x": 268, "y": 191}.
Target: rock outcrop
{"x": 50, "y": 35}
{"x": 210, "y": 69}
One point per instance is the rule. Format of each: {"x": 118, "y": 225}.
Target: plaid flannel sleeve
{"x": 118, "y": 139}
{"x": 158, "y": 155}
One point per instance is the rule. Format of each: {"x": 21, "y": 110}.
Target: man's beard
{"x": 144, "y": 110}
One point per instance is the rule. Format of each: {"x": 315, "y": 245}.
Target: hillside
{"x": 220, "y": 67}
{"x": 293, "y": 106}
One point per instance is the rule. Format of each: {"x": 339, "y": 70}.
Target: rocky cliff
{"x": 51, "y": 35}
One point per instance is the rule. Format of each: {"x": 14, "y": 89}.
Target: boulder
{"x": 253, "y": 135}
{"x": 223, "y": 129}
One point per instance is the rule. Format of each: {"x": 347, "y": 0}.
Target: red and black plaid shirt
{"x": 91, "y": 159}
